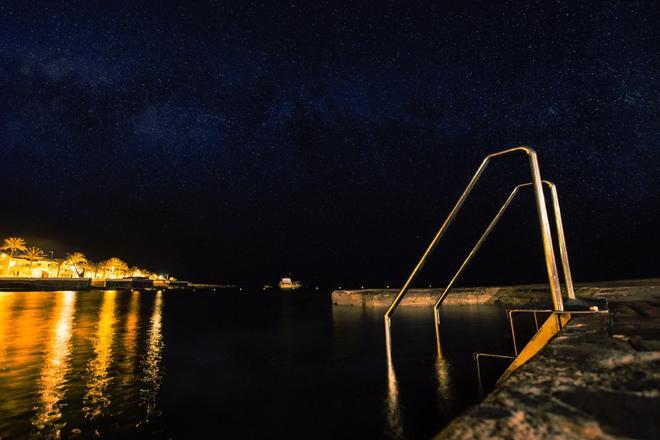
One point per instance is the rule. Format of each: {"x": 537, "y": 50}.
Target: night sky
{"x": 236, "y": 142}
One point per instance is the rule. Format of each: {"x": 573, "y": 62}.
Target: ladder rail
{"x": 568, "y": 280}
{"x": 543, "y": 220}
{"x": 548, "y": 250}
{"x": 561, "y": 238}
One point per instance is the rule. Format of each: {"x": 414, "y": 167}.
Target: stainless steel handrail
{"x": 551, "y": 265}
{"x": 510, "y": 313}
{"x": 509, "y": 317}
{"x": 563, "y": 251}
{"x": 568, "y": 280}
{"x": 476, "y": 359}
{"x": 560, "y": 237}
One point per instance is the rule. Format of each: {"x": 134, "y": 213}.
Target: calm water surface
{"x": 241, "y": 365}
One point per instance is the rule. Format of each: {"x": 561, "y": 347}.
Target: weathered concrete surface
{"x": 598, "y": 378}
{"x": 415, "y": 297}
{"x": 506, "y": 295}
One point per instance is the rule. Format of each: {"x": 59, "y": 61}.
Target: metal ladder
{"x": 554, "y": 322}
{"x": 537, "y": 183}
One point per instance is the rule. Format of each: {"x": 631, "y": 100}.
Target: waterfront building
{"x": 17, "y": 260}
{"x": 20, "y": 266}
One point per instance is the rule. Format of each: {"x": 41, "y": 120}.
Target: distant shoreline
{"x": 52, "y": 284}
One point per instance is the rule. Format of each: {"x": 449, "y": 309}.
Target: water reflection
{"x": 151, "y": 374}
{"x": 28, "y": 331}
{"x": 25, "y": 326}
{"x": 442, "y": 373}
{"x": 6, "y": 300}
{"x": 69, "y": 361}
{"x": 55, "y": 367}
{"x": 130, "y": 338}
{"x": 393, "y": 410}
{"x": 96, "y": 398}
{"x": 67, "y": 351}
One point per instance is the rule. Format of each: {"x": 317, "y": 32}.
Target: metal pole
{"x": 436, "y": 317}
{"x": 513, "y": 333}
{"x": 437, "y": 237}
{"x": 481, "y": 388}
{"x": 550, "y": 263}
{"x": 478, "y": 245}
{"x": 563, "y": 251}
{"x": 476, "y": 358}
{"x": 536, "y": 321}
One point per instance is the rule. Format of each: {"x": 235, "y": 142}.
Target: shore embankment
{"x": 54, "y": 284}
{"x": 15, "y": 283}
{"x": 506, "y": 295}
{"x": 598, "y": 378}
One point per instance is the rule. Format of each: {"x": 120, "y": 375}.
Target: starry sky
{"x": 241, "y": 141}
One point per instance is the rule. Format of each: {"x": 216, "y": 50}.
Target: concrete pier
{"x": 512, "y": 295}
{"x": 598, "y": 378}
{"x": 506, "y": 295}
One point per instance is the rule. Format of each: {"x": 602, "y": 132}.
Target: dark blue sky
{"x": 236, "y": 142}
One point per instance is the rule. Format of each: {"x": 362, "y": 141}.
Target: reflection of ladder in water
{"x": 559, "y": 315}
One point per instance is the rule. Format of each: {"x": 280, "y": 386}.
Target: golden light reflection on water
{"x": 444, "y": 385}
{"x": 24, "y": 319}
{"x": 130, "y": 338}
{"x": 27, "y": 333}
{"x": 6, "y": 299}
{"x": 68, "y": 360}
{"x": 151, "y": 373}
{"x": 55, "y": 367}
{"x": 96, "y": 398}
{"x": 393, "y": 409}
{"x": 442, "y": 373}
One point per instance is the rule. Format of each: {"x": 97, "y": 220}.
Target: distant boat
{"x": 289, "y": 284}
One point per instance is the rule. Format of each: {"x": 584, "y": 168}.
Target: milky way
{"x": 236, "y": 142}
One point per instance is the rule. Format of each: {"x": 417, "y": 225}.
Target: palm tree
{"x": 13, "y": 244}
{"x": 138, "y": 272}
{"x": 91, "y": 267}
{"x": 33, "y": 253}
{"x": 102, "y": 267}
{"x": 78, "y": 261}
{"x": 115, "y": 265}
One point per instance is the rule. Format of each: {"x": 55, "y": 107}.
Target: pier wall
{"x": 509, "y": 295}
{"x": 598, "y": 378}
{"x": 11, "y": 283}
{"x": 537, "y": 294}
